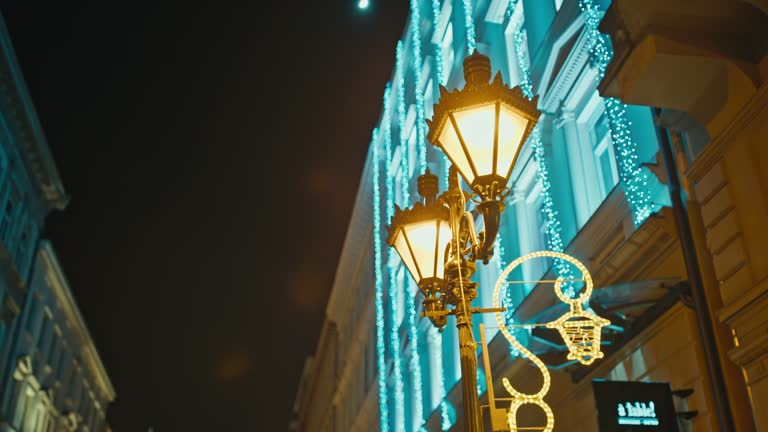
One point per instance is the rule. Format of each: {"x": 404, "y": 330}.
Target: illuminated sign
{"x": 638, "y": 413}
{"x": 627, "y": 406}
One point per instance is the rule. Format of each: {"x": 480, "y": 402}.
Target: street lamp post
{"x": 481, "y": 129}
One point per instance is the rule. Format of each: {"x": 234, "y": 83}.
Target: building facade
{"x": 51, "y": 377}
{"x": 612, "y": 80}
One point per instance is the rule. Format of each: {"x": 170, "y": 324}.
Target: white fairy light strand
{"x": 394, "y": 335}
{"x": 421, "y": 146}
{"x": 520, "y": 41}
{"x": 554, "y": 230}
{"x": 379, "y": 287}
{"x": 400, "y": 85}
{"x": 469, "y": 26}
{"x": 633, "y": 177}
{"x": 421, "y": 139}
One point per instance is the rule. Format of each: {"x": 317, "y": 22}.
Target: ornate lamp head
{"x": 482, "y": 127}
{"x": 420, "y": 236}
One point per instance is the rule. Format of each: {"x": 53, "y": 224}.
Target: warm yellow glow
{"x": 575, "y": 339}
{"x": 422, "y": 247}
{"x": 401, "y": 246}
{"x": 477, "y": 126}
{"x": 511, "y": 129}
{"x": 579, "y": 329}
{"x": 455, "y": 152}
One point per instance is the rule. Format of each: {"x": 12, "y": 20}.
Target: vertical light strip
{"x": 520, "y": 41}
{"x": 441, "y": 77}
{"x": 554, "y": 237}
{"x": 379, "y": 284}
{"x": 394, "y": 339}
{"x": 421, "y": 142}
{"x": 421, "y": 145}
{"x": 437, "y": 45}
{"x": 415, "y": 364}
{"x": 554, "y": 230}
{"x": 400, "y": 68}
{"x": 469, "y": 25}
{"x": 633, "y": 177}
{"x": 394, "y": 290}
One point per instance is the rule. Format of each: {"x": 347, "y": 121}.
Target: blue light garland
{"x": 511, "y": 8}
{"x": 554, "y": 238}
{"x": 421, "y": 144}
{"x": 379, "y": 286}
{"x": 437, "y": 46}
{"x": 521, "y": 52}
{"x": 394, "y": 335}
{"x": 421, "y": 139}
{"x": 415, "y": 364}
{"x": 440, "y": 77}
{"x": 633, "y": 177}
{"x": 469, "y": 25}
{"x": 400, "y": 77}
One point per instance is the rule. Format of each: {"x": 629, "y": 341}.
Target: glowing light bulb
{"x": 362, "y": 4}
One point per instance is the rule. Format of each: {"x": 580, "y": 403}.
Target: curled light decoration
{"x": 579, "y": 329}
{"x": 575, "y": 344}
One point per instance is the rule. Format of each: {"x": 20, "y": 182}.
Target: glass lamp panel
{"x": 453, "y": 149}
{"x": 477, "y": 126}
{"x": 444, "y": 236}
{"x": 423, "y": 238}
{"x": 511, "y": 128}
{"x": 401, "y": 246}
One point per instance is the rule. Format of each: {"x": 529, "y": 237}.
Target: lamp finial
{"x": 427, "y": 187}
{"x": 477, "y": 69}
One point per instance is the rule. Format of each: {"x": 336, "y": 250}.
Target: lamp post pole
{"x": 468, "y": 355}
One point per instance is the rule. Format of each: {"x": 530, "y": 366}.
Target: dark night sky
{"x": 212, "y": 152}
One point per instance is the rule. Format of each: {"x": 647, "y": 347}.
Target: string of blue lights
{"x": 394, "y": 334}
{"x": 469, "y": 26}
{"x": 633, "y": 177}
{"x": 421, "y": 145}
{"x": 379, "y": 283}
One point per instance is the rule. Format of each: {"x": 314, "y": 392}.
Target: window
{"x": 8, "y": 214}
{"x": 605, "y": 159}
{"x": 44, "y": 338}
{"x": 24, "y": 247}
{"x": 54, "y": 348}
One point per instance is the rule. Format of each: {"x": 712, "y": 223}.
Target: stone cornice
{"x": 570, "y": 68}
{"x": 720, "y": 144}
{"x": 746, "y": 301}
{"x": 32, "y": 143}
{"x": 744, "y": 355}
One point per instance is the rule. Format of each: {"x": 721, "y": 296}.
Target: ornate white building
{"x": 51, "y": 376}
{"x": 591, "y": 182}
